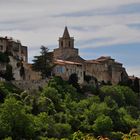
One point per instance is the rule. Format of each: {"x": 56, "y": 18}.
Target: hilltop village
{"x": 66, "y": 59}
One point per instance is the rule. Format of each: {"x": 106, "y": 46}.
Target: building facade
{"x": 103, "y": 69}
{"x": 67, "y": 61}
{"x": 14, "y": 48}
{"x": 18, "y": 56}
{"x": 66, "y": 68}
{"x": 66, "y": 50}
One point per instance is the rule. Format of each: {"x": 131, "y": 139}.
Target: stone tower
{"x": 66, "y": 47}
{"x": 66, "y": 41}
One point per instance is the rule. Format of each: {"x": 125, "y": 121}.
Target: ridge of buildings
{"x": 103, "y": 68}
{"x": 67, "y": 61}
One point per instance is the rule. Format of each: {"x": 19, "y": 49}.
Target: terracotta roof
{"x": 77, "y": 59}
{"x": 133, "y": 77}
{"x": 63, "y": 62}
{"x": 92, "y": 61}
{"x": 59, "y": 63}
{"x": 104, "y": 58}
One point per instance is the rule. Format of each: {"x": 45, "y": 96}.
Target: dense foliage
{"x": 43, "y": 62}
{"x": 58, "y": 111}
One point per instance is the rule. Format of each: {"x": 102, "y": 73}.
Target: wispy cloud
{"x": 134, "y": 71}
{"x": 94, "y": 24}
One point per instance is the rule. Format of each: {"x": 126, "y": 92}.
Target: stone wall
{"x": 30, "y": 85}
{"x": 14, "y": 47}
{"x": 106, "y": 69}
{"x": 29, "y": 73}
{"x": 66, "y": 68}
{"x": 63, "y": 54}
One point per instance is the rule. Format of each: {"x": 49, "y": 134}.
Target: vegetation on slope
{"x": 59, "y": 111}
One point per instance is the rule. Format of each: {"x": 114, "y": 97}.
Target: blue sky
{"x": 100, "y": 27}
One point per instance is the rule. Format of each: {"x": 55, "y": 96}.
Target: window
{"x": 60, "y": 69}
{"x": 63, "y": 69}
{"x": 61, "y": 43}
{"x": 69, "y": 43}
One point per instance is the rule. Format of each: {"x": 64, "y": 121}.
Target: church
{"x": 68, "y": 61}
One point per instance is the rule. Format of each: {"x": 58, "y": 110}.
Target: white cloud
{"x": 36, "y": 22}
{"x": 135, "y": 70}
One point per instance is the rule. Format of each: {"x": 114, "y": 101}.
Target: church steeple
{"x": 66, "y": 41}
{"x": 66, "y": 33}
{"x": 66, "y": 47}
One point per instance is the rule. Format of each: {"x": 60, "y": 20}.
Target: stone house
{"x": 18, "y": 54}
{"x": 28, "y": 74}
{"x": 67, "y": 61}
{"x": 103, "y": 69}
{"x": 106, "y": 69}
{"x": 66, "y": 68}
{"x": 14, "y": 48}
{"x": 133, "y": 79}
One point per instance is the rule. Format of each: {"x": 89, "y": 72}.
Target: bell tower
{"x": 66, "y": 48}
{"x": 66, "y": 41}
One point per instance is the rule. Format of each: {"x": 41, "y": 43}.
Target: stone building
{"x": 66, "y": 68}
{"x": 67, "y": 61}
{"x": 14, "y": 48}
{"x": 66, "y": 50}
{"x": 106, "y": 69}
{"x": 135, "y": 82}
{"x": 18, "y": 56}
{"x": 103, "y": 69}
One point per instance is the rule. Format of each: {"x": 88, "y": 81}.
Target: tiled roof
{"x": 133, "y": 77}
{"x": 92, "y": 61}
{"x": 63, "y": 62}
{"x": 104, "y": 58}
{"x": 75, "y": 59}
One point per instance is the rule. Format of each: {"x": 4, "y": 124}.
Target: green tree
{"x": 8, "y": 73}
{"x": 77, "y": 135}
{"x": 6, "y": 89}
{"x": 14, "y": 121}
{"x": 121, "y": 94}
{"x": 62, "y": 130}
{"x": 44, "y": 62}
{"x": 103, "y": 125}
{"x": 126, "y": 122}
{"x": 73, "y": 79}
{"x": 45, "y": 104}
{"x": 44, "y": 124}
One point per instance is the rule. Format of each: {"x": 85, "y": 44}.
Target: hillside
{"x": 58, "y": 111}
